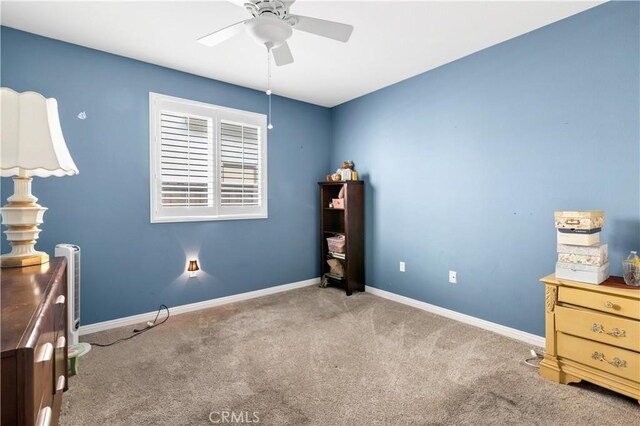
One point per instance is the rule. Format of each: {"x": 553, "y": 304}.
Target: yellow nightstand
{"x": 593, "y": 334}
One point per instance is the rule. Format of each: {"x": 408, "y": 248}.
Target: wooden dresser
{"x": 593, "y": 334}
{"x": 34, "y": 343}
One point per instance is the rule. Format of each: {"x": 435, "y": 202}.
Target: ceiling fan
{"x": 272, "y": 25}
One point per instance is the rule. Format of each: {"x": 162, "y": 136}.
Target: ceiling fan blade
{"x": 287, "y": 4}
{"x": 241, "y": 3}
{"x": 224, "y": 34}
{"x": 282, "y": 55}
{"x": 329, "y": 29}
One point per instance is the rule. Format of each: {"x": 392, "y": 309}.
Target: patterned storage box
{"x": 582, "y": 273}
{"x": 596, "y": 255}
{"x": 579, "y": 219}
{"x": 578, "y": 239}
{"x": 336, "y": 244}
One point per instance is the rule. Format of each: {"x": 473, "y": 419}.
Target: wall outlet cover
{"x": 453, "y": 277}
{"x": 401, "y": 266}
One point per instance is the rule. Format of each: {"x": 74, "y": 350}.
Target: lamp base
{"x": 37, "y": 258}
{"x": 22, "y": 216}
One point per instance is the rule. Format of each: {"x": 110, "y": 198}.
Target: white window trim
{"x": 216, "y": 113}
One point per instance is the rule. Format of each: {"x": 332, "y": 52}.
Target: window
{"x": 207, "y": 162}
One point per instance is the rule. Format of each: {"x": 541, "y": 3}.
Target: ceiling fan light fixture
{"x": 269, "y": 30}
{"x": 272, "y": 25}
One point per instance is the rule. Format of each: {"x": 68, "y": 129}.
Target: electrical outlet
{"x": 453, "y": 277}
{"x": 401, "y": 266}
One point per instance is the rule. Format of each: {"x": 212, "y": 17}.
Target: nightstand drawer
{"x": 599, "y": 301}
{"x": 620, "y": 362}
{"x": 604, "y": 328}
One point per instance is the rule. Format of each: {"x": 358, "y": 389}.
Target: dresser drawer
{"x": 609, "y": 329}
{"x": 600, "y": 302}
{"x": 60, "y": 364}
{"x": 60, "y": 303}
{"x": 620, "y": 362}
{"x": 43, "y": 363}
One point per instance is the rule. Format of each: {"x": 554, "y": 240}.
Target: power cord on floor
{"x": 138, "y": 331}
{"x": 534, "y": 356}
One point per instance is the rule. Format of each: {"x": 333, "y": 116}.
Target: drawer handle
{"x": 572, "y": 221}
{"x": 61, "y": 343}
{"x": 60, "y": 300}
{"x": 46, "y": 353}
{"x": 617, "y": 362}
{"x": 44, "y": 418}
{"x": 609, "y": 305}
{"x": 60, "y": 384}
{"x": 615, "y": 332}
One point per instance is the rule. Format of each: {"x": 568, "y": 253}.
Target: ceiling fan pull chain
{"x": 269, "y": 126}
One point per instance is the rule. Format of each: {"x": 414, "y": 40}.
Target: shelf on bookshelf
{"x": 334, "y": 277}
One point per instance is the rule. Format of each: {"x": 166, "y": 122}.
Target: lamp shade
{"x": 193, "y": 266}
{"x": 31, "y": 141}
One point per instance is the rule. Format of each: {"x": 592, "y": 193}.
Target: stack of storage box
{"x": 581, "y": 255}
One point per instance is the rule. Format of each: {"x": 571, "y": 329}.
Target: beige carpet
{"x": 316, "y": 357}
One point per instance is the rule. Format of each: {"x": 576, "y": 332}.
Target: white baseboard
{"x": 176, "y": 310}
{"x": 523, "y": 336}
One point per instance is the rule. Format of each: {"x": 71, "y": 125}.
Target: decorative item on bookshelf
{"x": 344, "y": 173}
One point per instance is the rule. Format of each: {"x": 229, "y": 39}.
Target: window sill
{"x": 177, "y": 219}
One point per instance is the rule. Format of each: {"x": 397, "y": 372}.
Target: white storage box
{"x": 582, "y": 273}
{"x": 595, "y": 255}
{"x": 578, "y": 239}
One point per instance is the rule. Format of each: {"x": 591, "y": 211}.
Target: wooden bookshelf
{"x": 347, "y": 221}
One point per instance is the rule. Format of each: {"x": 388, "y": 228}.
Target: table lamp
{"x": 31, "y": 144}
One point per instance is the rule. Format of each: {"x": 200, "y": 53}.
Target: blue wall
{"x": 466, "y": 164}
{"x": 129, "y": 265}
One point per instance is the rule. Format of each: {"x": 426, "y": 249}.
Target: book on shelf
{"x": 337, "y": 255}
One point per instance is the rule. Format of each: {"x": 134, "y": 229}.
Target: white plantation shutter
{"x": 206, "y": 162}
{"x": 186, "y": 159}
{"x": 240, "y": 177}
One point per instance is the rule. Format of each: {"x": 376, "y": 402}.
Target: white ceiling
{"x": 391, "y": 41}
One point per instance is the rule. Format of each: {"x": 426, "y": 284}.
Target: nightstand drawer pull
{"x": 60, "y": 300}
{"x": 608, "y": 304}
{"x": 615, "y": 332}
{"x": 46, "y": 353}
{"x": 60, "y": 384}
{"x": 617, "y": 362}
{"x": 44, "y": 418}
